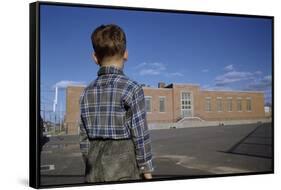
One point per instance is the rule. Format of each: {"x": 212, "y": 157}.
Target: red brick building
{"x": 169, "y": 104}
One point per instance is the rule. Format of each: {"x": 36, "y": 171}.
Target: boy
{"x": 114, "y": 137}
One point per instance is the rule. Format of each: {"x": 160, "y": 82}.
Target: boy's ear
{"x": 95, "y": 58}
{"x": 125, "y": 57}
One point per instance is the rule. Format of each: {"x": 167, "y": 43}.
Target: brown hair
{"x": 108, "y": 40}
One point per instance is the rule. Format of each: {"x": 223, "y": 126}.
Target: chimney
{"x": 161, "y": 85}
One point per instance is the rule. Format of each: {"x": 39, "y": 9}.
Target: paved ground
{"x": 177, "y": 152}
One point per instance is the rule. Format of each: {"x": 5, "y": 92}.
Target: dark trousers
{"x": 111, "y": 160}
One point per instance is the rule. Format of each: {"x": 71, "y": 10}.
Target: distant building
{"x": 171, "y": 103}
{"x": 175, "y": 101}
{"x": 267, "y": 110}
{"x": 72, "y": 108}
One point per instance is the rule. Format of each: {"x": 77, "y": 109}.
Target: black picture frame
{"x": 34, "y": 90}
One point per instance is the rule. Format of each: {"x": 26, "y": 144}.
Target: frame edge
{"x": 34, "y": 166}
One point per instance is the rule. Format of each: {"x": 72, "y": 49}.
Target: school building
{"x": 170, "y": 103}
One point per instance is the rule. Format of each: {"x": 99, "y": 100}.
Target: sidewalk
{"x": 187, "y": 123}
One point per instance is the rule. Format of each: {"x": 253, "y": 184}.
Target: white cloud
{"x": 176, "y": 74}
{"x": 229, "y": 68}
{"x": 263, "y": 84}
{"x": 267, "y": 78}
{"x": 232, "y": 76}
{"x": 159, "y": 66}
{"x": 219, "y": 88}
{"x": 251, "y": 81}
{"x": 66, "y": 83}
{"x": 149, "y": 72}
{"x": 205, "y": 70}
{"x": 141, "y": 65}
{"x": 258, "y": 72}
{"x": 155, "y": 68}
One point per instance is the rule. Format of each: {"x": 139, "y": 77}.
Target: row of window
{"x": 186, "y": 103}
{"x": 229, "y": 104}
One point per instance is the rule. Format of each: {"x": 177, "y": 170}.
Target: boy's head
{"x": 109, "y": 43}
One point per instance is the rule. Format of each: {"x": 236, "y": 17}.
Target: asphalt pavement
{"x": 185, "y": 152}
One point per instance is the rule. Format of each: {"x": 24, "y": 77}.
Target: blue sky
{"x": 217, "y": 52}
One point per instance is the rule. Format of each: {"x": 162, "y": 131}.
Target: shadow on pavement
{"x": 258, "y": 143}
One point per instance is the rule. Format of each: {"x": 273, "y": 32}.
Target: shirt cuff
{"x": 146, "y": 167}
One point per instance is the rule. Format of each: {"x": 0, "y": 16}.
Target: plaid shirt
{"x": 113, "y": 107}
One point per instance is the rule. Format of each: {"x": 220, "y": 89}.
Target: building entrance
{"x": 186, "y": 104}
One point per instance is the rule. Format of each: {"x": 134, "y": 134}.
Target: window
{"x": 219, "y": 104}
{"x": 239, "y": 104}
{"x": 186, "y": 100}
{"x": 186, "y": 104}
{"x": 229, "y": 104}
{"x": 148, "y": 103}
{"x": 208, "y": 104}
{"x": 161, "y": 104}
{"x": 249, "y": 104}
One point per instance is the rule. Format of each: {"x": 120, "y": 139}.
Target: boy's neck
{"x": 118, "y": 63}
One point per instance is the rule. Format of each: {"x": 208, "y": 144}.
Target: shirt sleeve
{"x": 140, "y": 133}
{"x": 83, "y": 137}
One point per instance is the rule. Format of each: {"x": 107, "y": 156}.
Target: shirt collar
{"x": 110, "y": 70}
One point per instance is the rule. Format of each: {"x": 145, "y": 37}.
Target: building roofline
{"x": 78, "y": 85}
{"x": 239, "y": 91}
{"x": 187, "y": 84}
{"x": 156, "y": 88}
